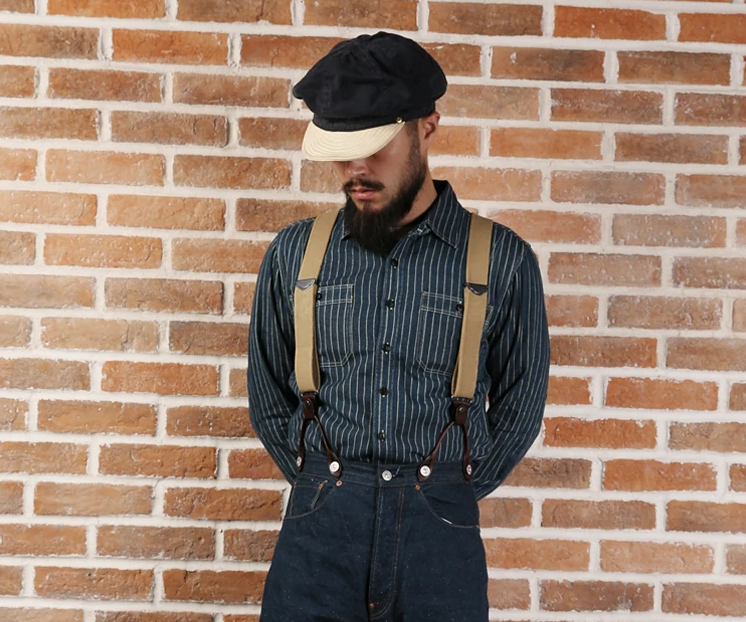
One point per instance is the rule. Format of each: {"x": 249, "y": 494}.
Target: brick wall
{"x": 149, "y": 151}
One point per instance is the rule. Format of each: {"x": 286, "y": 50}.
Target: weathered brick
{"x": 160, "y": 378}
{"x": 485, "y": 19}
{"x": 284, "y": 51}
{"x": 737, "y": 396}
{"x": 642, "y": 475}
{"x": 664, "y": 312}
{"x": 152, "y": 616}
{"x": 143, "y": 9}
{"x": 646, "y": 67}
{"x": 665, "y": 230}
{"x": 12, "y": 416}
{"x": 595, "y": 596}
{"x": 140, "y": 542}
{"x": 586, "y": 22}
{"x": 66, "y": 83}
{"x": 605, "y": 269}
{"x": 702, "y": 353}
{"x": 592, "y": 351}
{"x": 44, "y": 374}
{"x": 17, "y": 81}
{"x": 207, "y": 338}
{"x": 655, "y": 557}
{"x": 78, "y": 417}
{"x": 675, "y": 148}
{"x": 273, "y": 11}
{"x": 17, "y": 6}
{"x": 78, "y": 124}
{"x": 11, "y": 580}
{"x": 166, "y": 212}
{"x": 157, "y": 461}
{"x": 529, "y": 554}
{"x": 205, "y": 255}
{"x": 737, "y": 476}
{"x": 271, "y": 132}
{"x": 20, "y": 457}
{"x": 730, "y": 28}
{"x": 741, "y": 232}
{"x": 456, "y": 140}
{"x": 607, "y": 106}
{"x": 703, "y": 598}
{"x": 42, "y": 540}
{"x": 735, "y": 559}
{"x": 608, "y": 187}
{"x": 102, "y": 251}
{"x": 48, "y": 41}
{"x": 105, "y": 167}
{"x": 572, "y": 310}
{"x": 521, "y": 63}
{"x": 608, "y": 433}
{"x": 543, "y": 143}
{"x": 17, "y": 247}
{"x": 17, "y": 164}
{"x": 658, "y": 394}
{"x": 237, "y": 382}
{"x": 708, "y": 436}
{"x": 243, "y": 297}
{"x": 504, "y": 512}
{"x": 507, "y": 594}
{"x": 710, "y": 272}
{"x": 93, "y": 583}
{"x": 231, "y": 90}
{"x": 11, "y": 497}
{"x": 47, "y": 207}
{"x": 550, "y": 473}
{"x": 228, "y": 586}
{"x": 711, "y": 190}
{"x": 266, "y": 215}
{"x": 393, "y": 14}
{"x": 231, "y": 172}
{"x": 490, "y": 102}
{"x": 167, "y": 295}
{"x": 252, "y": 464}
{"x": 710, "y": 109}
{"x": 223, "y": 504}
{"x": 91, "y": 499}
{"x": 550, "y": 226}
{"x": 95, "y": 334}
{"x": 41, "y": 291}
{"x": 249, "y": 544}
{"x": 456, "y": 59}
{"x": 706, "y": 517}
{"x": 492, "y": 184}
{"x": 319, "y": 177}
{"x": 168, "y": 46}
{"x": 169, "y": 128}
{"x": 230, "y": 422}
{"x": 568, "y": 390}
{"x": 40, "y": 615}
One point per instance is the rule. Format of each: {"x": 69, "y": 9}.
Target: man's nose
{"x": 357, "y": 168}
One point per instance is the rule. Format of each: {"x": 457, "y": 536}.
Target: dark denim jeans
{"x": 369, "y": 547}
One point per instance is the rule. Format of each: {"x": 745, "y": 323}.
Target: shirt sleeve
{"x": 271, "y": 359}
{"x": 518, "y": 364}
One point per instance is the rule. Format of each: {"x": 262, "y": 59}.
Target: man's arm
{"x": 518, "y": 363}
{"x": 271, "y": 360}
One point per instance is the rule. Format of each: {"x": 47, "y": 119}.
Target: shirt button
{"x": 383, "y": 391}
{"x": 382, "y": 435}
{"x": 394, "y": 263}
{"x": 390, "y": 303}
{"x": 386, "y": 475}
{"x": 386, "y": 347}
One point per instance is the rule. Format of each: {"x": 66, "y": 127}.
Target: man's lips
{"x": 363, "y": 193}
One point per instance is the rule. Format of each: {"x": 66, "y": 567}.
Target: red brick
{"x": 94, "y": 334}
{"x": 42, "y": 540}
{"x": 252, "y": 464}
{"x": 91, "y": 499}
{"x": 604, "y": 106}
{"x": 166, "y": 212}
{"x": 11, "y": 581}
{"x": 507, "y": 20}
{"x": 102, "y": 251}
{"x": 551, "y": 473}
{"x": 492, "y": 184}
{"x": 521, "y": 63}
{"x": 571, "y": 21}
{"x": 17, "y": 81}
{"x": 743, "y": 150}
{"x": 730, "y": 28}
{"x": 708, "y": 436}
{"x": 706, "y": 517}
{"x": 144, "y": 9}
{"x": 47, "y": 207}
{"x": 17, "y": 165}
{"x": 271, "y": 132}
{"x": 660, "y": 230}
{"x": 42, "y": 291}
{"x": 505, "y": 512}
{"x": 249, "y": 544}
{"x": 105, "y": 167}
{"x": 263, "y": 215}
{"x": 79, "y": 417}
{"x": 160, "y": 378}
{"x": 231, "y": 422}
{"x": 168, "y": 46}
{"x": 607, "y": 187}
{"x": 284, "y": 51}
{"x": 93, "y": 583}
{"x": 673, "y": 68}
{"x": 389, "y": 14}
{"x": 140, "y": 542}
{"x": 17, "y": 247}
{"x": 542, "y": 143}
{"x": 550, "y": 226}
{"x": 19, "y": 457}
{"x": 508, "y": 594}
{"x": 273, "y": 11}
{"x": 231, "y": 172}
{"x": 319, "y": 177}
{"x": 654, "y": 557}
{"x": 223, "y": 504}
{"x": 44, "y": 374}
{"x": 243, "y": 297}
{"x": 568, "y": 390}
{"x": 490, "y": 102}
{"x": 711, "y": 354}
{"x": 41, "y": 615}
{"x": 675, "y": 148}
{"x": 736, "y": 559}
{"x": 711, "y": 190}
{"x": 158, "y": 461}
{"x": 65, "y": 83}
{"x": 737, "y": 475}
{"x": 658, "y": 394}
{"x": 572, "y": 310}
{"x": 12, "y": 416}
{"x": 79, "y": 124}
{"x": 702, "y": 598}
{"x": 11, "y": 497}
{"x": 228, "y": 586}
{"x": 249, "y": 91}
{"x": 741, "y": 232}
{"x": 456, "y": 59}
{"x": 167, "y": 295}
{"x": 608, "y": 433}
{"x": 169, "y": 128}
{"x": 152, "y": 616}
{"x": 237, "y": 381}
{"x": 737, "y": 397}
{"x": 710, "y": 109}
{"x": 218, "y": 255}
{"x": 17, "y": 6}
{"x": 48, "y": 41}
{"x": 525, "y": 553}
{"x": 644, "y": 475}
{"x": 456, "y": 140}
{"x": 710, "y": 272}
{"x": 605, "y": 269}
{"x": 588, "y": 351}
{"x": 595, "y": 596}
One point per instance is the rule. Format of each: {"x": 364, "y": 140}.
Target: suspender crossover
{"x": 465, "y": 372}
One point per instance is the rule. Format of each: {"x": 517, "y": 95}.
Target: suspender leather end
{"x": 310, "y": 401}
{"x": 459, "y": 409}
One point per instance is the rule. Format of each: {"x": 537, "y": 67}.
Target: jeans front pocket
{"x": 308, "y": 494}
{"x": 452, "y": 503}
{"x": 334, "y": 324}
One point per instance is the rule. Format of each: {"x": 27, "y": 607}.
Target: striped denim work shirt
{"x": 388, "y": 331}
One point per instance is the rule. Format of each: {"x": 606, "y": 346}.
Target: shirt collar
{"x": 446, "y": 217}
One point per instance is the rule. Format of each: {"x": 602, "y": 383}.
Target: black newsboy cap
{"x": 372, "y": 82}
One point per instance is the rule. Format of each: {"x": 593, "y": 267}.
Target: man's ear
{"x": 428, "y": 128}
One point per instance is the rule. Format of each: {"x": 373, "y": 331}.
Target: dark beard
{"x": 378, "y": 231}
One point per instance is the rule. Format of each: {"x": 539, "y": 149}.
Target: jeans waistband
{"x": 372, "y": 474}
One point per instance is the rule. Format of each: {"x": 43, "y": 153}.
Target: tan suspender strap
{"x": 464, "y": 379}
{"x": 306, "y": 359}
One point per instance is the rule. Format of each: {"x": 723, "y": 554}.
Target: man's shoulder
{"x": 507, "y": 243}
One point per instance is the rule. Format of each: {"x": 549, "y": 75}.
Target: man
{"x": 386, "y": 462}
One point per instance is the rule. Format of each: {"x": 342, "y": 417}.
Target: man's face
{"x": 381, "y": 189}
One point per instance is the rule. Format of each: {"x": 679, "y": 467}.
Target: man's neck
{"x": 424, "y": 199}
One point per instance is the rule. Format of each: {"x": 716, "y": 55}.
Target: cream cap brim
{"x": 325, "y": 146}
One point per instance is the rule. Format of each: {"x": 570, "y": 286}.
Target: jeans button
{"x": 386, "y": 475}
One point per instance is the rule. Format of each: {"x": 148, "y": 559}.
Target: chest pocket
{"x": 334, "y": 324}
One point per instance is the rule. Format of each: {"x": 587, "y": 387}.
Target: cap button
{"x": 399, "y": 120}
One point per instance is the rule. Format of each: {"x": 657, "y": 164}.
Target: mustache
{"x": 366, "y": 184}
